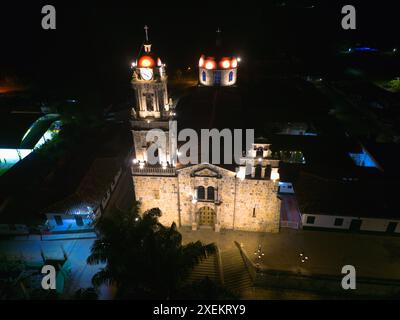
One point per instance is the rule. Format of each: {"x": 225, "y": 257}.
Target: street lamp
{"x": 303, "y": 257}
{"x": 259, "y": 254}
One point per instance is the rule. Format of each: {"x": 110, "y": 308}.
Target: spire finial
{"x": 218, "y": 40}
{"x": 146, "y": 28}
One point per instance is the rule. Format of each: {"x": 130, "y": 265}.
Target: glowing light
{"x": 141, "y": 165}
{"x": 274, "y": 174}
{"x": 225, "y": 64}
{"x": 135, "y": 161}
{"x": 259, "y": 159}
{"x": 241, "y": 173}
{"x": 239, "y": 59}
{"x": 159, "y": 63}
{"x": 210, "y": 65}
{"x": 146, "y": 62}
{"x": 201, "y": 62}
{"x": 234, "y": 63}
{"x": 133, "y": 64}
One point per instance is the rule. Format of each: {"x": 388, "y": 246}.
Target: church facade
{"x": 200, "y": 195}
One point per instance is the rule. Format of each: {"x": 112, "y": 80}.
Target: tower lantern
{"x": 218, "y": 68}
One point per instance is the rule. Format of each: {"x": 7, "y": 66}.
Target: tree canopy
{"x": 143, "y": 258}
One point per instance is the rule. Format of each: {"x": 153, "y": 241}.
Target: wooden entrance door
{"x": 206, "y": 216}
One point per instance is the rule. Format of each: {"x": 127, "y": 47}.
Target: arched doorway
{"x": 206, "y": 217}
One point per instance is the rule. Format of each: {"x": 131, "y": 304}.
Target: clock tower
{"x": 153, "y": 108}
{"x": 149, "y": 81}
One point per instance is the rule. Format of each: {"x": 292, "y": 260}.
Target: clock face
{"x": 146, "y": 73}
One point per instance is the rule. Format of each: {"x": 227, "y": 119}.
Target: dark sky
{"x": 95, "y": 42}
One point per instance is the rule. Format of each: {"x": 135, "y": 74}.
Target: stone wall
{"x": 158, "y": 192}
{"x": 248, "y": 204}
{"x": 257, "y": 206}
{"x": 141, "y": 146}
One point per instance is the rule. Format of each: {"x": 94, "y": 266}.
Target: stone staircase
{"x": 206, "y": 268}
{"x": 236, "y": 276}
{"x": 233, "y": 273}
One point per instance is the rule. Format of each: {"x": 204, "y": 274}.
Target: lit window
{"x": 146, "y": 62}
{"x": 234, "y": 63}
{"x": 203, "y": 76}
{"x": 225, "y": 64}
{"x": 201, "y": 62}
{"x": 231, "y": 76}
{"x": 217, "y": 77}
{"x": 210, "y": 65}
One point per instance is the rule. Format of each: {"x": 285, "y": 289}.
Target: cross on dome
{"x": 146, "y": 29}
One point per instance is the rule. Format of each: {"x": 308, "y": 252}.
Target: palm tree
{"x": 143, "y": 258}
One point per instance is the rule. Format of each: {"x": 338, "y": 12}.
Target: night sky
{"x": 95, "y": 42}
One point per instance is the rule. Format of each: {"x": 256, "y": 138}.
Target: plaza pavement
{"x": 375, "y": 256}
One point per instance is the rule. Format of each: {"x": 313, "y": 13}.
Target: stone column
{"x": 193, "y": 209}
{"x": 217, "y": 226}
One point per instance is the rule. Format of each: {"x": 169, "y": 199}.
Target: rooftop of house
{"x": 356, "y": 198}
{"x": 92, "y": 188}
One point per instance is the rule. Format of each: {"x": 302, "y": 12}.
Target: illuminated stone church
{"x": 241, "y": 197}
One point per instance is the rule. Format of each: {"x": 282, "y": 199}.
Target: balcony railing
{"x": 148, "y": 170}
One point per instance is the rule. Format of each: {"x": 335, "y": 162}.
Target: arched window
{"x": 153, "y": 155}
{"x": 257, "y": 173}
{"x": 217, "y": 77}
{"x": 268, "y": 171}
{"x": 201, "y": 193}
{"x": 230, "y": 76}
{"x": 210, "y": 193}
{"x": 149, "y": 102}
{"x": 259, "y": 152}
{"x": 203, "y": 76}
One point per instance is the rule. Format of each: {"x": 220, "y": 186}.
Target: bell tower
{"x": 149, "y": 80}
{"x": 152, "y": 108}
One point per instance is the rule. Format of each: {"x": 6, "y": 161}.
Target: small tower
{"x": 149, "y": 81}
{"x": 218, "y": 68}
{"x": 153, "y": 108}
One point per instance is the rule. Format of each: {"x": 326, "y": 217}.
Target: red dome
{"x": 222, "y": 62}
{"x": 146, "y": 62}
